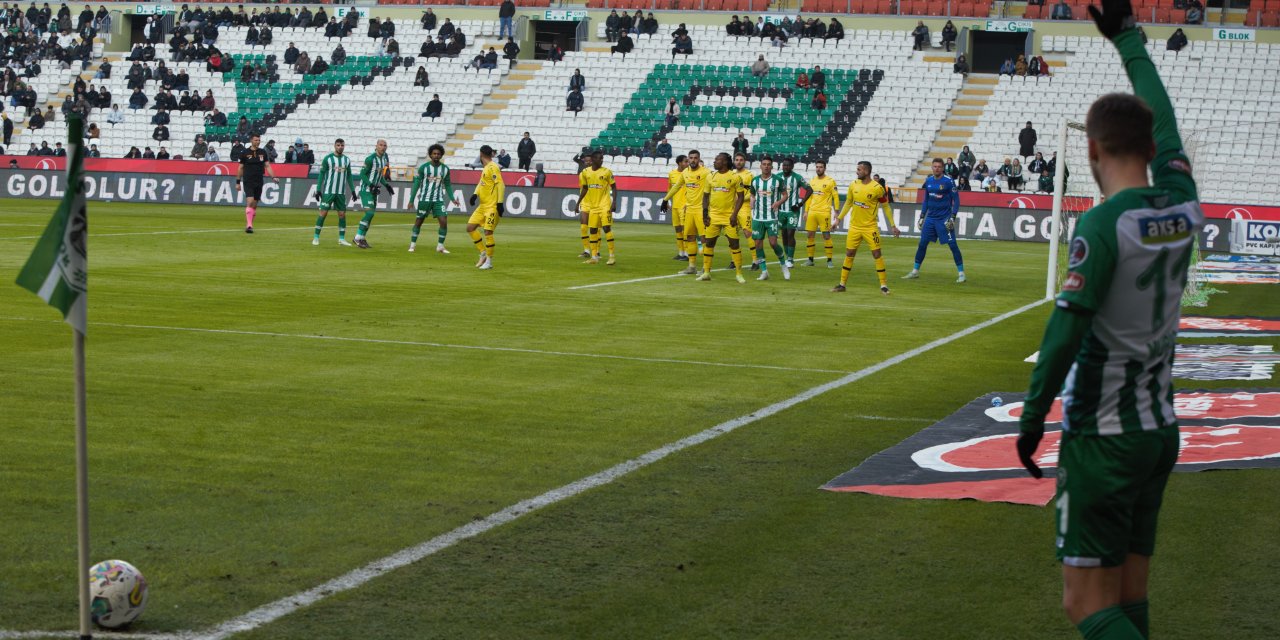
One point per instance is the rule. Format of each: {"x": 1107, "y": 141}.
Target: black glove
{"x": 374, "y": 191}
{"x": 355, "y": 198}
{"x": 390, "y": 189}
{"x": 1114, "y": 18}
{"x": 502, "y": 209}
{"x": 473, "y": 199}
{"x": 315, "y": 197}
{"x": 795, "y": 208}
{"x": 664, "y": 206}
{"x": 1027, "y": 444}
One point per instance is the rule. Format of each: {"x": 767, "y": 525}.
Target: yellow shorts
{"x": 693, "y": 225}
{"x": 485, "y": 216}
{"x": 677, "y": 215}
{"x": 722, "y": 223}
{"x": 857, "y": 235}
{"x": 599, "y": 217}
{"x": 744, "y": 218}
{"x": 817, "y": 221}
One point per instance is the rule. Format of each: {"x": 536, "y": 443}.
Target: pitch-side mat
{"x": 1219, "y": 361}
{"x": 1228, "y": 327}
{"x": 970, "y": 454}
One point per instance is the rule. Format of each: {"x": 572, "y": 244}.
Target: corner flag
{"x": 58, "y": 269}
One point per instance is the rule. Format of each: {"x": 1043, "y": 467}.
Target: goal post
{"x": 1070, "y": 199}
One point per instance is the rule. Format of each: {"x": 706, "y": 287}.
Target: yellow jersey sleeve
{"x": 675, "y": 180}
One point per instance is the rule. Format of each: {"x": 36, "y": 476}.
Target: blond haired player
{"x": 866, "y": 198}
{"x": 822, "y": 205}
{"x": 692, "y": 181}
{"x": 744, "y": 214}
{"x": 597, "y": 203}
{"x": 722, "y": 195}
{"x": 490, "y": 194}
{"x": 677, "y": 207}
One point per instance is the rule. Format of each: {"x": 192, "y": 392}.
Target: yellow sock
{"x": 489, "y": 245}
{"x": 737, "y": 260}
{"x": 692, "y": 246}
{"x": 593, "y": 240}
{"x": 844, "y": 273}
{"x": 880, "y": 272}
{"x": 826, "y": 244}
{"x": 583, "y": 229}
{"x": 608, "y": 238}
{"x": 478, "y": 239}
{"x": 810, "y": 249}
{"x": 679, "y": 243}
{"x": 707, "y": 255}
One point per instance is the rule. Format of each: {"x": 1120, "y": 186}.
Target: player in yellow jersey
{"x": 865, "y": 199}
{"x": 722, "y": 196}
{"x": 744, "y": 214}
{"x": 677, "y": 206}
{"x": 692, "y": 181}
{"x": 819, "y": 209}
{"x": 597, "y": 202}
{"x": 490, "y": 193}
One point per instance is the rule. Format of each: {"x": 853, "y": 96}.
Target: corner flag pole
{"x": 58, "y": 272}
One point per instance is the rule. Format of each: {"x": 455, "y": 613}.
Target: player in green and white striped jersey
{"x": 768, "y": 195}
{"x": 789, "y": 215}
{"x": 373, "y": 179}
{"x": 331, "y": 190}
{"x": 432, "y": 188}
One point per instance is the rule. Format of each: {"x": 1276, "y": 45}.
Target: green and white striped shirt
{"x": 335, "y": 175}
{"x": 792, "y": 183}
{"x": 373, "y": 172}
{"x": 765, "y": 193}
{"x": 432, "y": 183}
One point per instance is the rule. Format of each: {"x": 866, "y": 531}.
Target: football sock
{"x": 413, "y": 235}
{"x": 489, "y": 245}
{"x": 1137, "y": 613}
{"x": 477, "y": 239}
{"x": 778, "y": 251}
{"x": 679, "y": 245}
{"x": 955, "y": 253}
{"x": 848, "y": 267}
{"x": 319, "y": 225}
{"x": 708, "y": 254}
{"x": 917, "y": 265}
{"x": 737, "y": 259}
{"x": 342, "y": 227}
{"x": 364, "y": 223}
{"x": 249, "y": 213}
{"x": 880, "y": 272}
{"x": 444, "y": 231}
{"x": 828, "y": 247}
{"x": 608, "y": 237}
{"x": 693, "y": 253}
{"x": 760, "y": 253}
{"x": 585, "y": 245}
{"x": 811, "y": 248}
{"x": 594, "y": 240}
{"x": 1108, "y": 624}
{"x": 920, "y": 250}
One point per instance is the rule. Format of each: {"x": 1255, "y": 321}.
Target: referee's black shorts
{"x": 252, "y": 189}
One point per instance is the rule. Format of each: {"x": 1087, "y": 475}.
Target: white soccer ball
{"x": 997, "y": 401}
{"x": 117, "y": 593}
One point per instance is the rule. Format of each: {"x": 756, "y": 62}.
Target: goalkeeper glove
{"x": 951, "y": 224}
{"x": 1027, "y": 444}
{"x": 920, "y": 220}
{"x": 1115, "y": 17}
{"x": 502, "y": 209}
{"x": 473, "y": 200}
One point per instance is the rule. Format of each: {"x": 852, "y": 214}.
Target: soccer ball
{"x": 996, "y": 401}
{"x": 117, "y": 593}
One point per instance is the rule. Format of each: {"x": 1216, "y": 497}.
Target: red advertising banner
{"x": 172, "y": 167}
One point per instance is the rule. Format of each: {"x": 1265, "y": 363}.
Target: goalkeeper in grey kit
{"x": 1111, "y": 340}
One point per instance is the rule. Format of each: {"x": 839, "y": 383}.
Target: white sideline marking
{"x": 273, "y": 611}
{"x": 23, "y": 635}
{"x": 610, "y": 284}
{"x": 441, "y": 345}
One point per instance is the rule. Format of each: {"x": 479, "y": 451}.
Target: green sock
{"x": 319, "y": 225}
{"x": 1137, "y": 613}
{"x": 760, "y": 253}
{"x": 342, "y": 228}
{"x": 1108, "y": 624}
{"x": 413, "y": 235}
{"x": 444, "y": 231}
{"x": 364, "y": 223}
{"x": 791, "y": 252}
{"x": 778, "y": 251}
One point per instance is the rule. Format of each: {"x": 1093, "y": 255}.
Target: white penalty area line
{"x": 610, "y": 284}
{"x": 442, "y": 345}
{"x": 275, "y": 610}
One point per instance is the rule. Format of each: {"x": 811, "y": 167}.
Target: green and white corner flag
{"x": 58, "y": 269}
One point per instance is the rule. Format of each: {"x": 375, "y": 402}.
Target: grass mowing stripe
{"x": 441, "y": 345}
{"x": 287, "y": 605}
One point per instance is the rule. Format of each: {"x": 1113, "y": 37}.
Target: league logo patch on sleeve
{"x": 1079, "y": 252}
{"x": 1179, "y": 164}
{"x": 1074, "y": 282}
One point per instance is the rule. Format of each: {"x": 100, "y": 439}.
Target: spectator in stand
{"x": 1027, "y": 141}
{"x": 246, "y": 73}
{"x": 671, "y": 113}
{"x": 45, "y": 149}
{"x": 338, "y": 56}
{"x": 1020, "y": 66}
{"x": 817, "y": 79}
{"x": 1005, "y": 169}
{"x": 242, "y": 128}
{"x": 1006, "y": 69}
{"x": 503, "y": 159}
{"x": 293, "y": 155}
{"x": 162, "y": 154}
{"x": 949, "y": 36}
{"x": 319, "y": 66}
{"x": 734, "y": 28}
{"x": 961, "y": 66}
{"x": 428, "y": 48}
{"x": 387, "y": 30}
{"x": 393, "y": 48}
{"x": 950, "y": 170}
{"x": 133, "y": 154}
{"x": 1044, "y": 67}
{"x": 650, "y": 25}
{"x": 623, "y": 46}
{"x": 8, "y": 128}
{"x": 32, "y": 150}
{"x": 577, "y": 81}
{"x": 555, "y": 53}
{"x": 683, "y": 44}
{"x": 251, "y": 37}
{"x": 1033, "y": 67}
{"x": 625, "y": 22}
{"x": 981, "y": 171}
{"x": 802, "y": 80}
{"x": 490, "y": 60}
{"x": 611, "y": 31}
{"x": 525, "y": 151}
{"x": 1015, "y": 175}
{"x": 1177, "y": 41}
{"x": 36, "y": 122}
{"x": 423, "y": 79}
{"x": 374, "y": 28}
{"x": 962, "y": 183}
{"x": 138, "y": 100}
{"x": 819, "y": 100}
{"x": 1195, "y": 12}
{"x": 188, "y": 102}
{"x": 637, "y": 22}
{"x": 308, "y": 156}
{"x": 921, "y": 35}
{"x": 303, "y": 64}
{"x": 1045, "y": 184}
{"x": 835, "y": 30}
{"x": 237, "y": 151}
{"x": 1038, "y": 165}
{"x": 93, "y": 151}
{"x": 991, "y": 184}
{"x": 740, "y": 144}
{"x": 1060, "y": 11}
{"x": 332, "y": 30}
{"x": 760, "y": 68}
{"x": 428, "y": 20}
{"x": 272, "y": 154}
{"x": 663, "y": 150}
{"x": 506, "y": 17}
{"x": 208, "y": 102}
{"x": 447, "y": 29}
{"x": 291, "y": 54}
{"x": 434, "y": 108}
{"x": 161, "y": 117}
{"x": 965, "y": 161}
{"x": 510, "y": 50}
{"x": 116, "y": 116}
{"x": 104, "y": 71}
{"x": 211, "y": 154}
{"x": 148, "y": 154}
{"x": 575, "y": 102}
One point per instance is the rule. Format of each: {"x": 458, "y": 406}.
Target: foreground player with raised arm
{"x": 721, "y": 200}
{"x": 865, "y": 200}
{"x": 1111, "y": 338}
{"x": 331, "y": 190}
{"x": 938, "y": 219}
{"x": 373, "y": 179}
{"x": 597, "y": 202}
{"x": 432, "y": 189}
{"x": 254, "y": 163}
{"x": 489, "y": 201}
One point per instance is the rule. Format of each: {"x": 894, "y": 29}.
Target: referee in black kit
{"x": 249, "y": 176}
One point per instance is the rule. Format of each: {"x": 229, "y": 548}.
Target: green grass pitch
{"x": 266, "y": 415}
